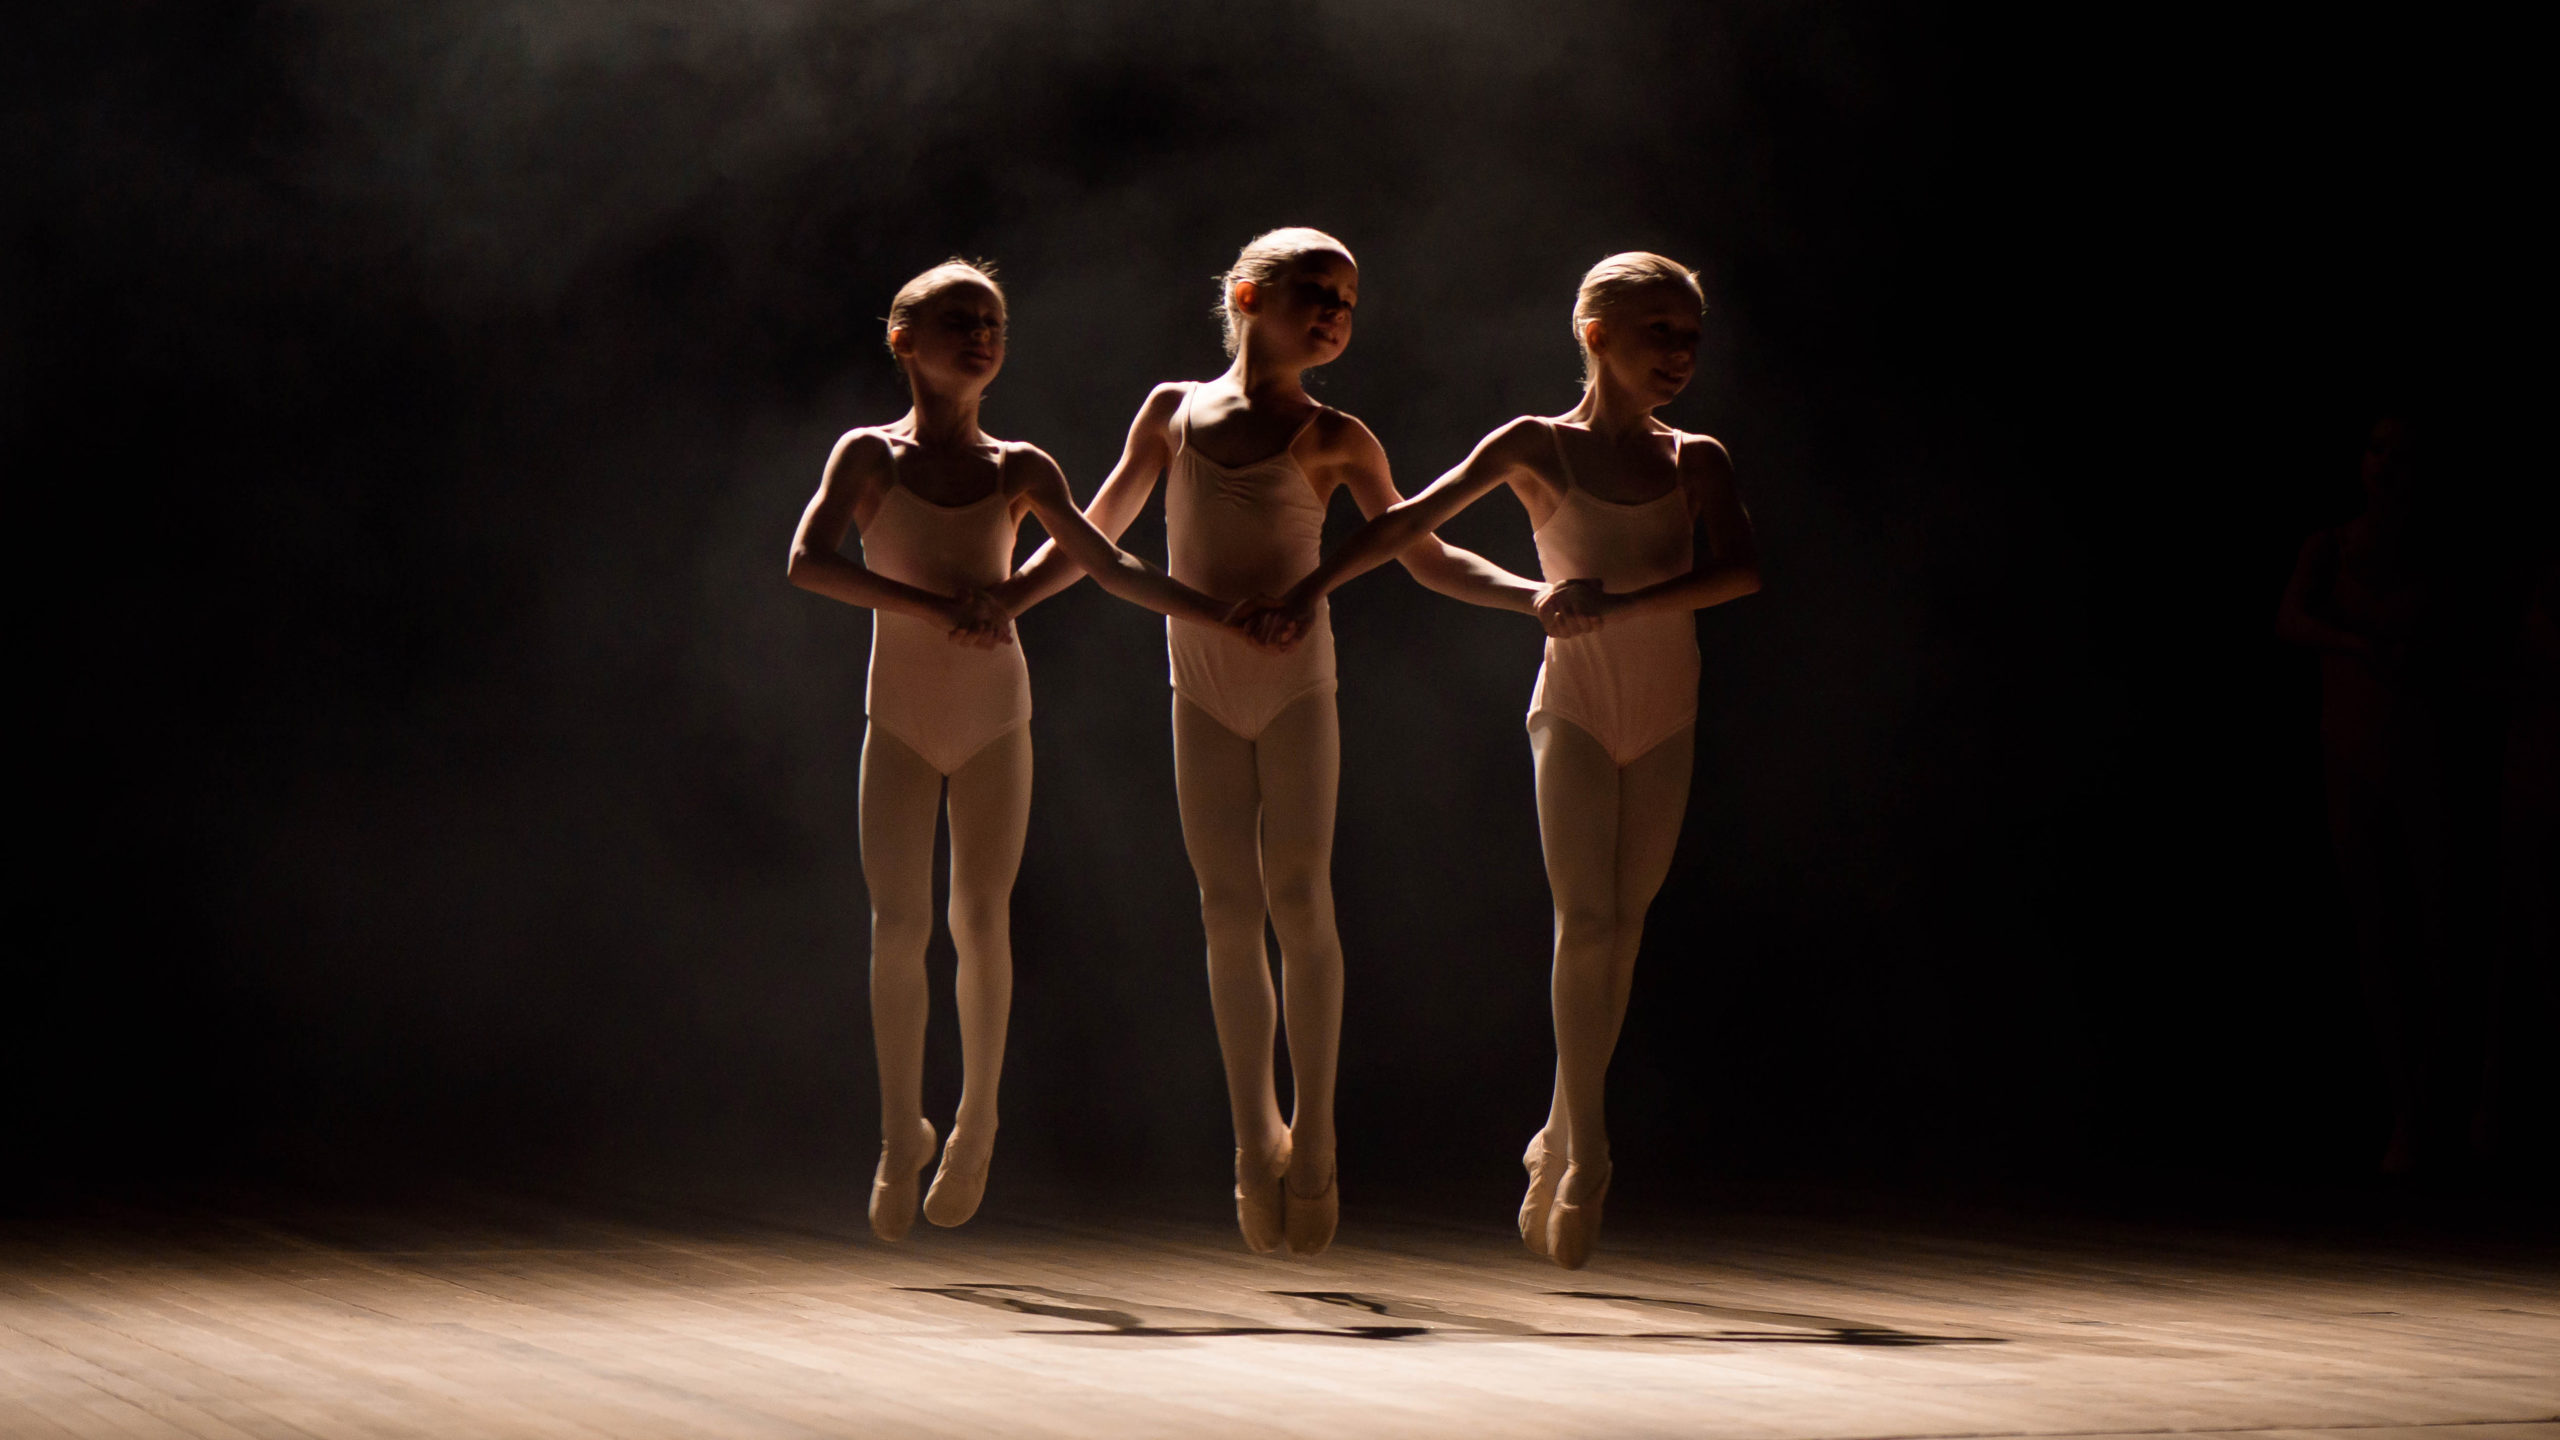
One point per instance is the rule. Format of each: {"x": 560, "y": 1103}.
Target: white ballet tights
{"x": 1608, "y": 831}
{"x": 990, "y": 808}
{"x": 1257, "y": 817}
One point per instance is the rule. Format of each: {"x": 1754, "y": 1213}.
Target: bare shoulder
{"x": 861, "y": 456}
{"x": 1522, "y": 440}
{"x": 1520, "y": 448}
{"x": 1026, "y": 465}
{"x": 1153, "y": 424}
{"x": 1703, "y": 457}
{"x": 1341, "y": 434}
{"x": 1161, "y": 402}
{"x": 1706, "y": 476}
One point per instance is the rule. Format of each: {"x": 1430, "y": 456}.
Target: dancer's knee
{"x": 980, "y": 923}
{"x": 1301, "y": 903}
{"x": 1586, "y": 925}
{"x": 1228, "y": 906}
{"x": 900, "y": 941}
{"x": 981, "y": 936}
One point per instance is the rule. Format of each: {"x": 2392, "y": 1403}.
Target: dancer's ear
{"x": 1592, "y": 332}
{"x": 902, "y": 342}
{"x": 1247, "y": 296}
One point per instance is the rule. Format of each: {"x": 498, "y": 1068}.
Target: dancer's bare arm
{"x": 1730, "y": 568}
{"x": 1359, "y": 463}
{"x": 1124, "y": 493}
{"x": 855, "y": 480}
{"x": 1036, "y": 478}
{"x": 1502, "y": 456}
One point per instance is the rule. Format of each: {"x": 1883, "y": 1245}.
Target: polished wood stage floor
{"x": 506, "y": 1316}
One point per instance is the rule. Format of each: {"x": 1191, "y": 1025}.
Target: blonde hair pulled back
{"x": 1615, "y": 281}
{"x": 1265, "y": 258}
{"x": 917, "y": 293}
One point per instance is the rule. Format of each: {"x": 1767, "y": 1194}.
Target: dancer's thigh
{"x": 990, "y": 815}
{"x": 1577, "y": 816}
{"x": 1221, "y": 800}
{"x": 1653, "y": 798}
{"x": 900, "y": 793}
{"x": 1298, "y": 762}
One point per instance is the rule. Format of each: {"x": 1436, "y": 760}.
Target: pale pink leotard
{"x": 946, "y": 701}
{"x": 1633, "y": 682}
{"x": 1233, "y": 532}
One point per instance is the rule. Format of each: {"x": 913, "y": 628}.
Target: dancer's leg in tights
{"x": 1608, "y": 832}
{"x": 990, "y": 802}
{"x": 900, "y": 794}
{"x": 1298, "y": 759}
{"x": 990, "y": 806}
{"x": 1257, "y": 818}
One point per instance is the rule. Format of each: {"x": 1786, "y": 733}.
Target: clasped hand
{"x": 1569, "y": 608}
{"x": 1273, "y": 626}
{"x": 978, "y": 620}
{"x": 1564, "y": 609}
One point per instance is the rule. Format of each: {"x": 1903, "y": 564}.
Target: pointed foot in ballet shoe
{"x": 893, "y": 1185}
{"x": 1534, "y": 1206}
{"x": 1258, "y": 1213}
{"x": 1574, "y": 1227}
{"x": 1310, "y": 1219}
{"x": 961, "y": 1182}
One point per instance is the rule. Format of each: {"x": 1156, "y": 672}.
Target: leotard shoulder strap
{"x": 1564, "y": 467}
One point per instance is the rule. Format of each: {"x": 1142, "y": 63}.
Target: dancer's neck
{"x": 1610, "y": 413}
{"x": 938, "y": 418}
{"x": 1262, "y": 379}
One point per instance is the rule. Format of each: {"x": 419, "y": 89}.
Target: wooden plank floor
{"x": 508, "y": 1317}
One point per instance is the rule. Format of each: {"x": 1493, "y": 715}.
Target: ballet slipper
{"x": 1309, "y": 1220}
{"x": 961, "y": 1182}
{"x": 893, "y": 1186}
{"x": 1543, "y": 1174}
{"x": 1572, "y": 1227}
{"x": 1258, "y": 1213}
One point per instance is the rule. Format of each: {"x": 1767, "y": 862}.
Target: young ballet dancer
{"x": 937, "y": 501}
{"x": 1250, "y": 462}
{"x": 1615, "y": 499}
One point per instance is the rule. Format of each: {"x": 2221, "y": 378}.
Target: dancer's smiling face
{"x": 1303, "y": 315}
{"x": 1647, "y": 343}
{"x": 955, "y": 336}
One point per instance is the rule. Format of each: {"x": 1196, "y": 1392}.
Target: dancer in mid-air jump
{"x": 1250, "y": 462}
{"x": 937, "y": 500}
{"x": 1616, "y": 499}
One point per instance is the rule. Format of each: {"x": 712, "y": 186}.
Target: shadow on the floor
{"x": 1106, "y": 1312}
{"x": 1124, "y": 1318}
{"x": 1795, "y": 1329}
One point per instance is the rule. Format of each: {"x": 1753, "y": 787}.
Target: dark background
{"x": 428, "y": 766}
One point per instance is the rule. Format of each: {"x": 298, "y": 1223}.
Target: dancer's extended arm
{"x": 1074, "y": 536}
{"x": 1360, "y": 463}
{"x": 1124, "y": 493}
{"x": 857, "y": 471}
{"x": 1397, "y": 530}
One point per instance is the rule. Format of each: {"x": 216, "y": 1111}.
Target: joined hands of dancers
{"x": 1618, "y": 503}
{"x": 1564, "y": 609}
